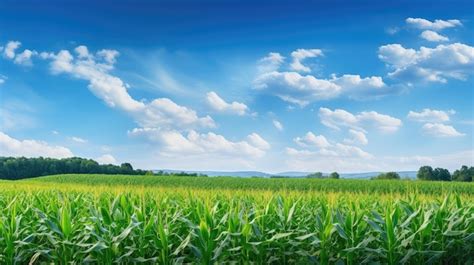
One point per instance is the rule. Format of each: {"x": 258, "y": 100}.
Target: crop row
{"x": 275, "y": 184}
{"x": 220, "y": 226}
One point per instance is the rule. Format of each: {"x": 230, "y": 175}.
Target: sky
{"x": 347, "y": 86}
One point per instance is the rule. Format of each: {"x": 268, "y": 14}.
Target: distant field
{"x": 300, "y": 184}
{"x": 168, "y": 220}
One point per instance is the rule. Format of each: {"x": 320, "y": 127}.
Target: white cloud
{"x": 437, "y": 64}
{"x": 312, "y": 140}
{"x": 357, "y": 137}
{"x": 108, "y": 55}
{"x": 217, "y": 103}
{"x": 436, "y": 25}
{"x": 357, "y": 87}
{"x": 24, "y": 58}
{"x": 257, "y": 141}
{"x": 78, "y": 140}
{"x": 302, "y": 89}
{"x": 82, "y": 52}
{"x": 278, "y": 125}
{"x": 296, "y": 88}
{"x": 299, "y": 55}
{"x": 55, "y": 132}
{"x": 342, "y": 118}
{"x": 337, "y": 150}
{"x": 163, "y": 112}
{"x": 106, "y": 159}
{"x": 270, "y": 63}
{"x": 433, "y": 36}
{"x": 158, "y": 113}
{"x": 174, "y": 143}
{"x": 30, "y": 148}
{"x": 321, "y": 155}
{"x": 429, "y": 115}
{"x": 441, "y": 130}
{"x": 9, "y": 50}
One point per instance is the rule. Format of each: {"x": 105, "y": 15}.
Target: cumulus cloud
{"x": 296, "y": 88}
{"x": 299, "y": 55}
{"x": 318, "y": 153}
{"x": 271, "y": 62}
{"x": 10, "y": 146}
{"x": 433, "y": 36}
{"x": 338, "y": 118}
{"x": 106, "y": 159}
{"x": 194, "y": 143}
{"x": 357, "y": 137}
{"x": 278, "y": 125}
{"x": 302, "y": 89}
{"x": 217, "y": 103}
{"x": 355, "y": 86}
{"x": 9, "y": 49}
{"x": 429, "y": 115}
{"x": 95, "y": 68}
{"x": 436, "y": 25}
{"x": 24, "y": 58}
{"x": 437, "y": 64}
{"x": 83, "y": 52}
{"x": 312, "y": 140}
{"x": 337, "y": 150}
{"x": 441, "y": 130}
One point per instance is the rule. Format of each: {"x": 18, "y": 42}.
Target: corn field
{"x": 45, "y": 222}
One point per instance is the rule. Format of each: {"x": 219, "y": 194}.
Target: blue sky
{"x": 272, "y": 86}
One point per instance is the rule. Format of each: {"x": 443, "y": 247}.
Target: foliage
{"x": 334, "y": 175}
{"x": 388, "y": 175}
{"x": 276, "y": 184}
{"x": 317, "y": 175}
{"x": 441, "y": 174}
{"x": 464, "y": 174}
{"x": 427, "y": 173}
{"x": 44, "y": 222}
{"x": 22, "y": 167}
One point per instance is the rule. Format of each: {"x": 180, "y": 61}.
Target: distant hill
{"x": 292, "y": 174}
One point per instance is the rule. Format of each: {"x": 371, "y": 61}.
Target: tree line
{"x": 441, "y": 174}
{"x": 438, "y": 174}
{"x": 21, "y": 167}
{"x": 424, "y": 173}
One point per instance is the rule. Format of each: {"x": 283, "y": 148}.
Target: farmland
{"x": 168, "y": 220}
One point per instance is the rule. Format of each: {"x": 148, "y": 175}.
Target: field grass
{"x": 299, "y": 184}
{"x": 167, "y": 220}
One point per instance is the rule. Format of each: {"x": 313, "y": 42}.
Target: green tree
{"x": 388, "y": 175}
{"x": 317, "y": 175}
{"x": 126, "y": 168}
{"x": 464, "y": 174}
{"x": 334, "y": 175}
{"x": 425, "y": 173}
{"x": 22, "y": 167}
{"x": 441, "y": 174}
